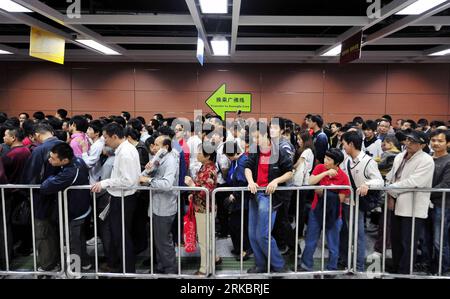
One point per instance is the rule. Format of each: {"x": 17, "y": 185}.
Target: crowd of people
{"x": 116, "y": 154}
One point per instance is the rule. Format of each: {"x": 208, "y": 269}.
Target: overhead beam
{"x": 138, "y": 19}
{"x": 405, "y": 22}
{"x": 199, "y": 24}
{"x": 387, "y": 11}
{"x": 303, "y": 21}
{"x": 235, "y": 25}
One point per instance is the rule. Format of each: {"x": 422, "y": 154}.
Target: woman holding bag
{"x": 206, "y": 177}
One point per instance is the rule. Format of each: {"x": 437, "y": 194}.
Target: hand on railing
{"x": 253, "y": 187}
{"x": 391, "y": 203}
{"x": 97, "y": 187}
{"x": 362, "y": 190}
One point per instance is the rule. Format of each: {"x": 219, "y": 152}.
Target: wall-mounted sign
{"x": 47, "y": 46}
{"x": 351, "y": 48}
{"x": 222, "y": 102}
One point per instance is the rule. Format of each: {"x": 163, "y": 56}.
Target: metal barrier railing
{"x": 413, "y": 243}
{"x": 35, "y": 271}
{"x": 295, "y": 272}
{"x": 151, "y": 273}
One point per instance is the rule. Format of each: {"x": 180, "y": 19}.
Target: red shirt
{"x": 263, "y": 169}
{"x": 340, "y": 179}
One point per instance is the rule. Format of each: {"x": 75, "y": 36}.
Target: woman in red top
{"x": 206, "y": 177}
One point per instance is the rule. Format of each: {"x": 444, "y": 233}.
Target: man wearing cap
{"x": 413, "y": 168}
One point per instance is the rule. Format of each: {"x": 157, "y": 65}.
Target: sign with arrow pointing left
{"x": 222, "y": 102}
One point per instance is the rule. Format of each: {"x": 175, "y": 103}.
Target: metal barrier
{"x": 295, "y": 272}
{"x": 411, "y": 274}
{"x": 151, "y": 273}
{"x": 36, "y": 272}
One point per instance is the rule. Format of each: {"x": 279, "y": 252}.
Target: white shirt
{"x": 194, "y": 165}
{"x": 375, "y": 149}
{"x": 364, "y": 170}
{"x": 126, "y": 171}
{"x": 92, "y": 160}
{"x": 309, "y": 163}
{"x": 223, "y": 163}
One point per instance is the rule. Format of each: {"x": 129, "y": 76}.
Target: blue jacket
{"x": 37, "y": 170}
{"x": 236, "y": 178}
{"x": 75, "y": 173}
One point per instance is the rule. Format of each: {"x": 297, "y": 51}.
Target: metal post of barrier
{"x": 208, "y": 236}
{"x": 383, "y": 265}
{"x": 296, "y": 232}
{"x": 179, "y": 236}
{"x": 355, "y": 248}
{"x": 66, "y": 226}
{"x": 242, "y": 231}
{"x": 323, "y": 230}
{"x": 213, "y": 232}
{"x": 350, "y": 230}
{"x": 151, "y": 231}
{"x": 270, "y": 233}
{"x": 33, "y": 234}
{"x": 123, "y": 232}
{"x": 5, "y": 233}
{"x": 441, "y": 239}
{"x": 94, "y": 198}
{"x": 413, "y": 239}
{"x": 61, "y": 231}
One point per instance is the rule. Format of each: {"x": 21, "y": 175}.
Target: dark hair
{"x": 358, "y": 120}
{"x": 392, "y": 139}
{"x": 166, "y": 130}
{"x": 354, "y": 138}
{"x": 231, "y": 148}
{"x": 127, "y": 115}
{"x": 61, "y": 135}
{"x": 135, "y": 124}
{"x": 39, "y": 115}
{"x": 62, "y": 113}
{"x": 387, "y": 117}
{"x": 55, "y": 123}
{"x": 120, "y": 120}
{"x": 42, "y": 128}
{"x": 370, "y": 125}
{"x": 167, "y": 141}
{"x": 133, "y": 133}
{"x": 307, "y": 141}
{"x": 12, "y": 123}
{"x": 154, "y": 123}
{"x": 440, "y": 131}
{"x": 80, "y": 122}
{"x": 437, "y": 123}
{"x": 386, "y": 120}
{"x": 96, "y": 126}
{"x": 141, "y": 119}
{"x": 422, "y": 122}
{"x": 150, "y": 141}
{"x": 28, "y": 127}
{"x": 338, "y": 125}
{"x": 26, "y": 114}
{"x": 159, "y": 116}
{"x": 336, "y": 155}
{"x": 318, "y": 120}
{"x": 63, "y": 150}
{"x": 88, "y": 116}
{"x": 412, "y": 123}
{"x": 209, "y": 150}
{"x": 114, "y": 129}
{"x": 18, "y": 133}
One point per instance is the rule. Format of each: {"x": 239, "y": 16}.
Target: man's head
{"x": 232, "y": 150}
{"x": 162, "y": 141}
{"x": 13, "y": 136}
{"x": 333, "y": 157}
{"x": 61, "y": 155}
{"x": 61, "y": 114}
{"x": 352, "y": 142}
{"x": 42, "y": 131}
{"x": 78, "y": 124}
{"x": 409, "y": 124}
{"x": 94, "y": 130}
{"x": 389, "y": 143}
{"x": 422, "y": 124}
{"x": 126, "y": 115}
{"x": 369, "y": 128}
{"x": 335, "y": 127}
{"x": 358, "y": 121}
{"x": 316, "y": 122}
{"x": 114, "y": 135}
{"x": 415, "y": 141}
{"x": 38, "y": 116}
{"x": 440, "y": 140}
{"x": 384, "y": 126}
{"x": 23, "y": 117}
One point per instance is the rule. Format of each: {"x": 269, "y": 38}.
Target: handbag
{"x": 372, "y": 200}
{"x": 190, "y": 226}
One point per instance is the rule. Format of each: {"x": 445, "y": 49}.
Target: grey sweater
{"x": 441, "y": 179}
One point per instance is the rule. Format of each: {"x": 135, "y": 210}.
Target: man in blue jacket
{"x": 38, "y": 169}
{"x": 74, "y": 172}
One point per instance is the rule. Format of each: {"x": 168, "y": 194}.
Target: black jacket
{"x": 280, "y": 163}
{"x": 75, "y": 173}
{"x": 441, "y": 179}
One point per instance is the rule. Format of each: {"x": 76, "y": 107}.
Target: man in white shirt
{"x": 364, "y": 172}
{"x": 92, "y": 156}
{"x": 125, "y": 175}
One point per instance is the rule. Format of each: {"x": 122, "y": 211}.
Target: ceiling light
{"x": 441, "y": 53}
{"x": 2, "y": 52}
{"x": 220, "y": 46}
{"x": 214, "y": 6}
{"x": 420, "y": 7}
{"x": 97, "y": 46}
{"x": 333, "y": 52}
{"x": 12, "y": 6}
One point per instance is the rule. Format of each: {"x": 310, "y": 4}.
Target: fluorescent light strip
{"x": 97, "y": 46}
{"x": 333, "y": 52}
{"x": 11, "y": 6}
{"x": 2, "y": 52}
{"x": 441, "y": 53}
{"x": 420, "y": 7}
{"x": 214, "y": 6}
{"x": 220, "y": 47}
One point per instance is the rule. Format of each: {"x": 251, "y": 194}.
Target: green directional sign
{"x": 222, "y": 102}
